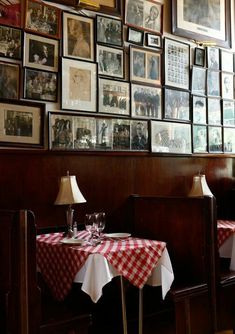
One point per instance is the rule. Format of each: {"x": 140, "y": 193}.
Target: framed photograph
{"x": 202, "y": 20}
{"x": 226, "y": 60}
{"x": 104, "y": 134}
{"x": 144, "y": 14}
{"x": 135, "y": 36}
{"x": 145, "y": 66}
{"x": 215, "y": 139}
{"x": 41, "y": 53}
{"x": 85, "y": 133}
{"x": 42, "y": 18}
{"x": 154, "y": 41}
{"x": 214, "y": 111}
{"x": 110, "y": 61}
{"x": 199, "y": 57}
{"x": 177, "y": 64}
{"x": 213, "y": 83}
{"x": 227, "y": 85}
{"x": 199, "y": 109}
{"x": 79, "y": 82}
{"x": 11, "y": 13}
{"x": 10, "y": 42}
{"x": 114, "y": 97}
{"x": 198, "y": 80}
{"x": 22, "y": 124}
{"x": 146, "y": 101}
{"x": 40, "y": 85}
{"x": 109, "y": 30}
{"x": 200, "y": 139}
{"x": 228, "y": 113}
{"x": 61, "y": 131}
{"x": 139, "y": 135}
{"x": 9, "y": 81}
{"x": 121, "y": 134}
{"x": 171, "y": 137}
{"x": 78, "y": 36}
{"x": 177, "y": 104}
{"x": 213, "y": 59}
{"x": 229, "y": 140}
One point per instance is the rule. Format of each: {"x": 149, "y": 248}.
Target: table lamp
{"x": 69, "y": 194}
{"x": 200, "y": 187}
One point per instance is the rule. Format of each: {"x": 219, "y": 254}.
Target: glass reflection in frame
{"x": 104, "y": 133}
{"x": 199, "y": 138}
{"x": 198, "y": 80}
{"x": 229, "y": 140}
{"x": 228, "y": 113}
{"x": 215, "y": 138}
{"x": 214, "y": 111}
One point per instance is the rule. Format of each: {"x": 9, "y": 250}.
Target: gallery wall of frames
{"x": 120, "y": 84}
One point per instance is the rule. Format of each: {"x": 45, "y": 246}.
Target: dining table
{"x": 226, "y": 240}
{"x": 64, "y": 261}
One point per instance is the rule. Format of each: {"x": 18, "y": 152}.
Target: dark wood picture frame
{"x": 199, "y": 57}
{"x": 200, "y": 138}
{"x": 109, "y": 30}
{"x": 135, "y": 36}
{"x": 10, "y": 81}
{"x": 10, "y": 42}
{"x": 153, "y": 41}
{"x": 176, "y": 104}
{"x": 111, "y": 61}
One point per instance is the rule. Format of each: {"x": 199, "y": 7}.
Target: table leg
{"x": 124, "y": 321}
{"x": 140, "y": 311}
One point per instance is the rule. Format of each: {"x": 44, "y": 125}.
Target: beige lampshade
{"x": 200, "y": 187}
{"x": 69, "y": 193}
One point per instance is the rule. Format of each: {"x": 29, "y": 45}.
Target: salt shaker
{"x": 75, "y": 229}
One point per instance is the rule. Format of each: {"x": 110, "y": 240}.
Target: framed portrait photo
{"x": 177, "y": 104}
{"x": 22, "y": 124}
{"x": 10, "y": 42}
{"x": 84, "y": 133}
{"x": 199, "y": 57}
{"x": 227, "y": 85}
{"x": 104, "y": 134}
{"x": 135, "y": 36}
{"x": 153, "y": 41}
{"x": 198, "y": 84}
{"x": 214, "y": 111}
{"x": 9, "y": 81}
{"x": 11, "y": 13}
{"x": 199, "y": 109}
{"x": 215, "y": 139}
{"x": 109, "y": 30}
{"x": 79, "y": 82}
{"x": 78, "y": 36}
{"x": 213, "y": 83}
{"x": 202, "y": 20}
{"x": 229, "y": 140}
{"x": 61, "y": 131}
{"x": 121, "y": 134}
{"x": 114, "y": 97}
{"x": 139, "y": 135}
{"x": 213, "y": 58}
{"x": 110, "y": 61}
{"x": 41, "y": 52}
{"x": 228, "y": 113}
{"x": 226, "y": 60}
{"x": 200, "y": 139}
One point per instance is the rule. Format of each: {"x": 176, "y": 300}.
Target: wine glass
{"x": 100, "y": 223}
{"x": 89, "y": 225}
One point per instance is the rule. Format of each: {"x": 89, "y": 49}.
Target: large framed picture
{"x": 177, "y": 63}
{"x": 139, "y": 135}
{"x": 114, "y": 97}
{"x": 200, "y": 139}
{"x": 146, "y": 101}
{"x": 215, "y": 139}
{"x": 22, "y": 124}
{"x": 78, "y": 36}
{"x": 42, "y": 18}
{"x": 171, "y": 137}
{"x": 79, "y": 82}
{"x": 199, "y": 109}
{"x": 110, "y": 61}
{"x": 203, "y": 20}
{"x": 228, "y": 113}
{"x": 10, "y": 42}
{"x": 145, "y": 66}
{"x": 9, "y": 80}
{"x": 41, "y": 53}
{"x": 11, "y": 12}
{"x": 198, "y": 80}
{"x": 177, "y": 104}
{"x": 229, "y": 140}
{"x": 147, "y": 14}
{"x": 109, "y": 30}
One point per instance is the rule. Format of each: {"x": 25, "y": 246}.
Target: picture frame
{"x": 11, "y": 13}
{"x": 215, "y": 142}
{"x": 43, "y": 19}
{"x": 10, "y": 42}
{"x": 213, "y": 83}
{"x": 153, "y": 41}
{"x": 139, "y": 135}
{"x": 199, "y": 83}
{"x": 114, "y": 97}
{"x": 104, "y": 133}
{"x": 78, "y": 36}
{"x": 121, "y": 134}
{"x": 213, "y": 58}
{"x": 199, "y": 109}
{"x": 176, "y": 104}
{"x": 10, "y": 81}
{"x": 214, "y": 111}
{"x": 61, "y": 133}
{"x": 109, "y": 30}
{"x": 200, "y": 21}
{"x": 199, "y": 57}
{"x": 171, "y": 137}
{"x": 145, "y": 66}
{"x": 228, "y": 108}
{"x": 200, "y": 139}
{"x": 177, "y": 63}
{"x": 227, "y": 85}
{"x": 40, "y": 85}
{"x": 110, "y": 61}
{"x": 41, "y": 52}
{"x": 84, "y": 133}
{"x": 229, "y": 140}
{"x": 226, "y": 61}
{"x": 79, "y": 82}
{"x": 146, "y": 101}
{"x": 135, "y": 36}
{"x": 22, "y": 124}
{"x": 144, "y": 14}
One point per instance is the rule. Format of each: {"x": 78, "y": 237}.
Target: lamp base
{"x": 69, "y": 218}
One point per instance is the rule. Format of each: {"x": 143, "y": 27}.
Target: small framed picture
{"x": 109, "y": 30}
{"x": 85, "y": 133}
{"x": 227, "y": 85}
{"x": 78, "y": 36}
{"x": 79, "y": 82}
{"x": 114, "y": 97}
{"x": 10, "y": 81}
{"x": 171, "y": 137}
{"x": 226, "y": 59}
{"x": 10, "y": 42}
{"x": 61, "y": 131}
{"x": 22, "y": 124}
{"x": 200, "y": 139}
{"x": 213, "y": 59}
{"x": 121, "y": 134}
{"x": 145, "y": 66}
{"x": 146, "y": 101}
{"x": 229, "y": 140}
{"x": 199, "y": 57}
{"x": 199, "y": 109}
{"x": 42, "y": 18}
{"x": 214, "y": 111}
{"x": 228, "y": 113}
{"x": 213, "y": 83}
{"x": 41, "y": 53}
{"x": 198, "y": 80}
{"x": 139, "y": 135}
{"x": 40, "y": 85}
{"x": 177, "y": 104}
{"x": 154, "y": 41}
{"x": 215, "y": 139}
{"x": 11, "y": 13}
{"x": 135, "y": 36}
{"x": 110, "y": 61}
{"x": 104, "y": 134}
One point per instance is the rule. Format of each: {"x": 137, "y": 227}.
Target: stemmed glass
{"x": 90, "y": 226}
{"x": 99, "y": 223}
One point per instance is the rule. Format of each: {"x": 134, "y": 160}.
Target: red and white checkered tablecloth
{"x": 133, "y": 258}
{"x": 225, "y": 228}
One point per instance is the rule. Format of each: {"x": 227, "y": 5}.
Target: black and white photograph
{"x": 146, "y": 101}
{"x": 139, "y": 135}
{"x": 61, "y": 131}
{"x": 10, "y": 42}
{"x": 199, "y": 56}
{"x": 154, "y": 41}
{"x": 199, "y": 109}
{"x": 114, "y": 97}
{"x": 104, "y": 133}
{"x": 229, "y": 140}
{"x": 109, "y": 30}
{"x": 40, "y": 85}
{"x": 228, "y": 113}
{"x": 121, "y": 134}
{"x": 215, "y": 139}
{"x": 213, "y": 58}
{"x": 198, "y": 80}
{"x": 176, "y": 104}
{"x": 200, "y": 139}
{"x": 214, "y": 111}
{"x": 110, "y": 61}
{"x": 213, "y": 83}
{"x": 9, "y": 80}
{"x": 135, "y": 36}
{"x": 84, "y": 133}
{"x": 227, "y": 85}
{"x": 226, "y": 59}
